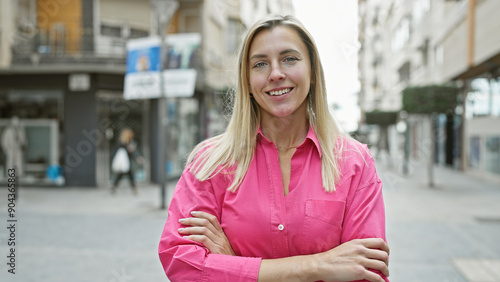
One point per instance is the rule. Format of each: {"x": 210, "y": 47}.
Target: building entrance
{"x": 115, "y": 114}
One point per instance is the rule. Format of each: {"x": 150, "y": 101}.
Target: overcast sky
{"x": 333, "y": 24}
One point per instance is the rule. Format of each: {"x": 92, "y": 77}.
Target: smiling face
{"x": 279, "y": 72}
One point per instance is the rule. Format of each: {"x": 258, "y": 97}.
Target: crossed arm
{"x": 350, "y": 261}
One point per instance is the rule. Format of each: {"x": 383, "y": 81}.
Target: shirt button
{"x": 281, "y": 227}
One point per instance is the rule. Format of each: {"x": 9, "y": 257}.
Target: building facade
{"x": 62, "y": 69}
{"x": 425, "y": 42}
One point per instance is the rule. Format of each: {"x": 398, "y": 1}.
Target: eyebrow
{"x": 259, "y": 56}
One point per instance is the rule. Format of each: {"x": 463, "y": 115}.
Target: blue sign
{"x": 140, "y": 60}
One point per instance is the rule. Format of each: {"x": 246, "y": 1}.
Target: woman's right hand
{"x": 353, "y": 260}
{"x": 205, "y": 228}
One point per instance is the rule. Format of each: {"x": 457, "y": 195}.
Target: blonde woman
{"x": 128, "y": 145}
{"x": 282, "y": 195}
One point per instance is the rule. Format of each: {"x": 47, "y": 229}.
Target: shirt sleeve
{"x": 365, "y": 212}
{"x": 186, "y": 260}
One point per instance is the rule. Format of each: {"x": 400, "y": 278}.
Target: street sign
{"x": 142, "y": 79}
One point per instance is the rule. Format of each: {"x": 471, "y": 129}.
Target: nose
{"x": 276, "y": 73}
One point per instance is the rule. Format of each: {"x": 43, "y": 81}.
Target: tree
{"x": 383, "y": 120}
{"x": 430, "y": 100}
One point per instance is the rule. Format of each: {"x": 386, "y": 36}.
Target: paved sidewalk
{"x": 448, "y": 233}
{"x": 444, "y": 234}
{"x": 84, "y": 234}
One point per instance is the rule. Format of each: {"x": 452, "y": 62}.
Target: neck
{"x": 285, "y": 133}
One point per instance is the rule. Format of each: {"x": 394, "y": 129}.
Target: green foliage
{"x": 430, "y": 99}
{"x": 381, "y": 118}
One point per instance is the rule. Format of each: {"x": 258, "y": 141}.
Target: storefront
{"x": 66, "y": 128}
{"x": 76, "y": 128}
{"x": 30, "y": 130}
{"x": 482, "y": 135}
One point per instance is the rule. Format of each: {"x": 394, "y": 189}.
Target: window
{"x": 401, "y": 35}
{"x": 492, "y": 154}
{"x": 424, "y": 51}
{"x": 484, "y": 98}
{"x": 438, "y": 55}
{"x": 138, "y": 33}
{"x": 233, "y": 35}
{"x": 112, "y": 31}
{"x": 404, "y": 73}
{"x": 124, "y": 31}
{"x": 420, "y": 8}
{"x": 475, "y": 151}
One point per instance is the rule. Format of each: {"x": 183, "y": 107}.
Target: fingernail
{"x": 180, "y": 229}
{"x": 181, "y": 220}
{"x": 193, "y": 212}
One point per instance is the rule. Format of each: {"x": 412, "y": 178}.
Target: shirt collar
{"x": 310, "y": 135}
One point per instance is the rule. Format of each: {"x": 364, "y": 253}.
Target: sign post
{"x": 162, "y": 67}
{"x": 144, "y": 79}
{"x": 165, "y": 12}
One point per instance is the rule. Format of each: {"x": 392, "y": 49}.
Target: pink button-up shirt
{"x": 262, "y": 223}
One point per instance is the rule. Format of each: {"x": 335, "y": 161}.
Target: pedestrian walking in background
{"x": 14, "y": 145}
{"x": 122, "y": 160}
{"x": 283, "y": 194}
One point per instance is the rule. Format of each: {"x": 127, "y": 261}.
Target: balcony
{"x": 59, "y": 50}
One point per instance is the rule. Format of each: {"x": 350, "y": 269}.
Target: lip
{"x": 281, "y": 97}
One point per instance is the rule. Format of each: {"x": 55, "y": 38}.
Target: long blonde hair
{"x": 236, "y": 146}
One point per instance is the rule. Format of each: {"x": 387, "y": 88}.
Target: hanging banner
{"x": 180, "y": 71}
{"x": 142, "y": 79}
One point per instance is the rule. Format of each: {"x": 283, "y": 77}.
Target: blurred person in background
{"x": 283, "y": 194}
{"x": 122, "y": 160}
{"x": 14, "y": 143}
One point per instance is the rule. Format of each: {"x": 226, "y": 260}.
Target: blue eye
{"x": 291, "y": 59}
{"x": 259, "y": 65}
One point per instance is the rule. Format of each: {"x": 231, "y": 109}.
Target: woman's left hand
{"x": 204, "y": 228}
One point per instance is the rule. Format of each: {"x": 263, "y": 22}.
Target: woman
{"x": 282, "y": 195}
{"x": 127, "y": 143}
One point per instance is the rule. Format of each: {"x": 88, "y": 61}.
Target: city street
{"x": 444, "y": 234}
{"x": 93, "y": 91}
{"x": 448, "y": 233}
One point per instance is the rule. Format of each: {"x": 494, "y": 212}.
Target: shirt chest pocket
{"x": 322, "y": 225}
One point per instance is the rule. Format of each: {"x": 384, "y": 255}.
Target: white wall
{"x": 487, "y": 31}
{"x": 136, "y": 13}
{"x": 455, "y": 51}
